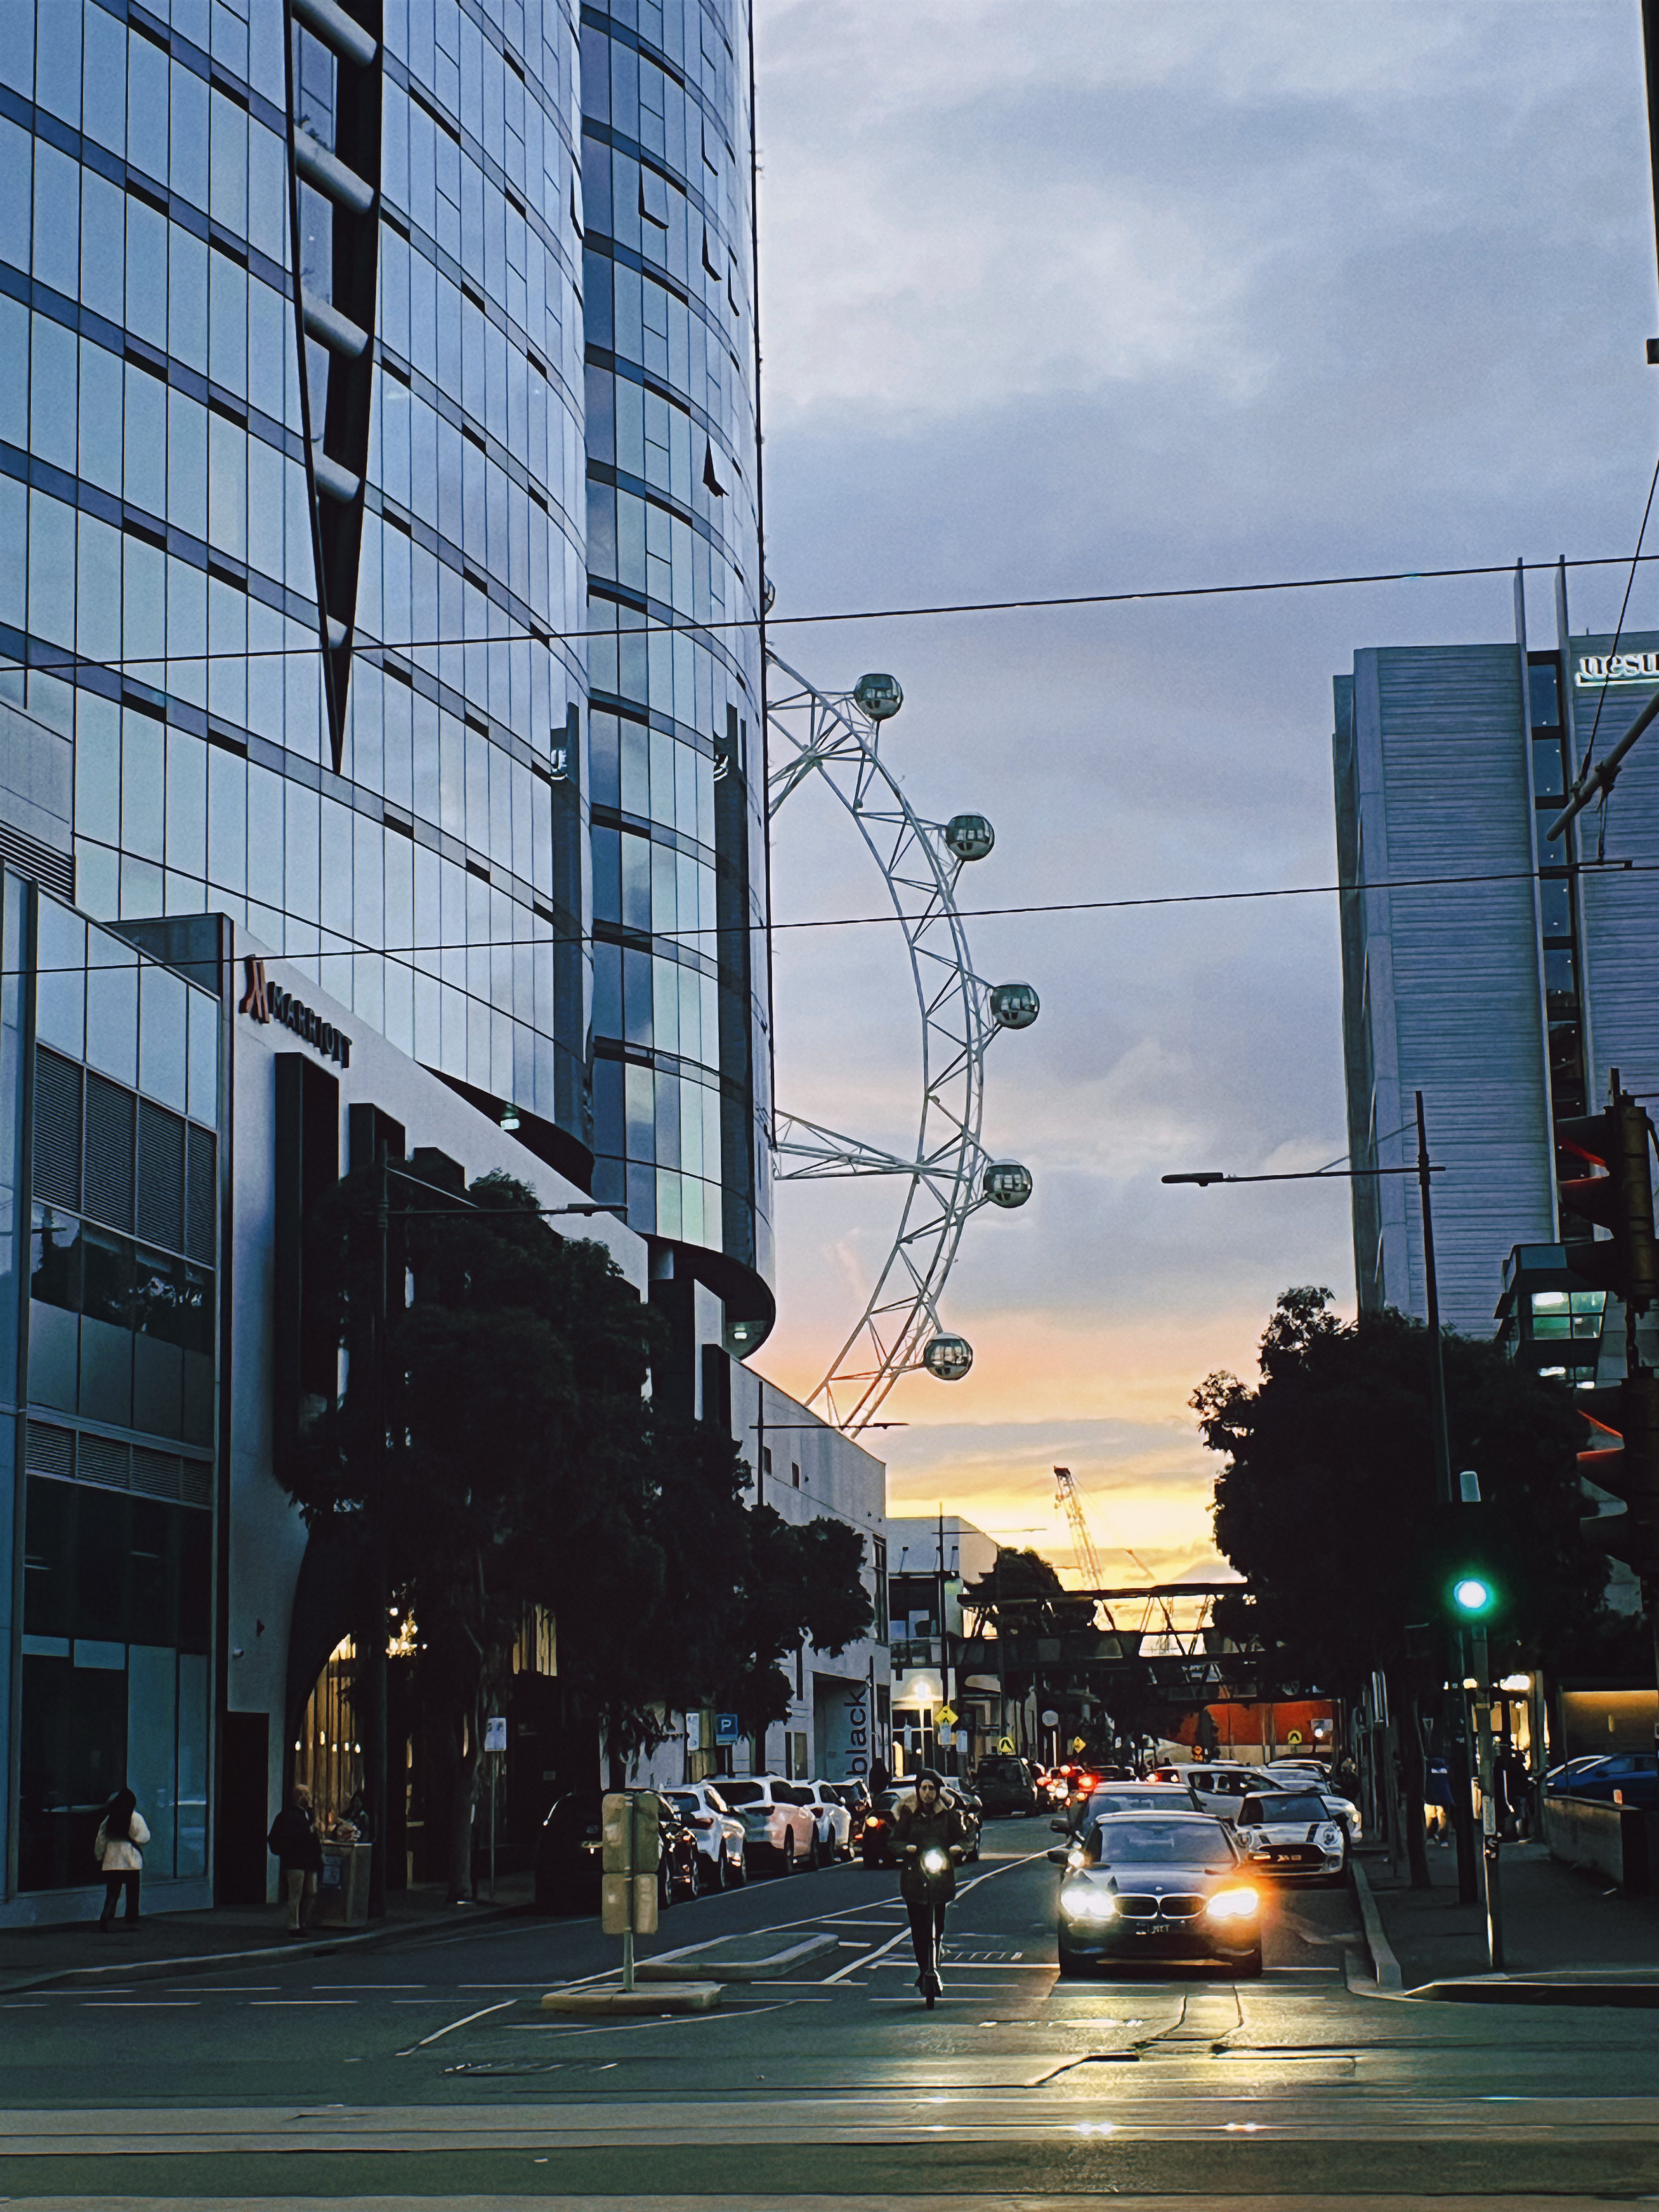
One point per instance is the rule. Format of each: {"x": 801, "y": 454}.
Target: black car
{"x": 1005, "y": 1785}
{"x": 1161, "y": 1890}
{"x": 568, "y": 1855}
{"x": 1125, "y": 1797}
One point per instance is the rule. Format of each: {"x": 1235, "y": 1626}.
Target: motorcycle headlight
{"x": 1232, "y": 1904}
{"x": 934, "y": 1861}
{"x": 1083, "y": 1901}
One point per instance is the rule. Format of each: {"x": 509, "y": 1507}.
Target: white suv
{"x": 779, "y": 1828}
{"x": 834, "y": 1821}
{"x": 721, "y": 1864}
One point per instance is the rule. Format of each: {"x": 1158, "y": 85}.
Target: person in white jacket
{"x": 121, "y": 1835}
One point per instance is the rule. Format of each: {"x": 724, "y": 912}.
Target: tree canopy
{"x": 1327, "y": 1505}
{"x": 513, "y": 1458}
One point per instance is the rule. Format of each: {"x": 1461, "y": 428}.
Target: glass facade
{"x": 677, "y": 778}
{"x": 293, "y": 565}
{"x": 363, "y": 354}
{"x": 109, "y": 1361}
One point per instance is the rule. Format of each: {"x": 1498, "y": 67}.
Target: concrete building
{"x": 928, "y": 1561}
{"x": 1481, "y": 965}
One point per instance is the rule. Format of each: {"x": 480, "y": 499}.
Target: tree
{"x": 1326, "y": 1504}
{"x": 507, "y": 1452}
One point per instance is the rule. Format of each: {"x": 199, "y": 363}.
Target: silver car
{"x": 721, "y": 1862}
{"x": 835, "y": 1822}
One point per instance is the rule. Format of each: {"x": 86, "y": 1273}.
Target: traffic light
{"x": 1620, "y": 1198}
{"x": 1474, "y": 1594}
{"x": 1467, "y": 1549}
{"x": 1623, "y": 1457}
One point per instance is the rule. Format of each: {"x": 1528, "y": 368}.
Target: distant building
{"x": 928, "y": 1560}
{"x": 1506, "y": 997}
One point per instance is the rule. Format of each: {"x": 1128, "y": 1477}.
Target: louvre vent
{"x": 104, "y": 1462}
{"x": 47, "y": 1450}
{"x": 56, "y": 1130}
{"x": 155, "y": 1474}
{"x": 160, "y": 1177}
{"x": 201, "y": 1195}
{"x": 111, "y": 1143}
{"x": 195, "y": 1481}
{"x": 52, "y": 870}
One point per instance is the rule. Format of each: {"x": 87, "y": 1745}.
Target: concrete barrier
{"x": 1620, "y": 1841}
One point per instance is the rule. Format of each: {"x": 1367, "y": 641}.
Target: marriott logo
{"x": 263, "y": 1000}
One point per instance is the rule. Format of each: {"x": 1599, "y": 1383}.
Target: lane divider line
{"x": 438, "y": 2033}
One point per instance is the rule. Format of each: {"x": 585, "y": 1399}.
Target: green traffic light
{"x": 1472, "y": 1595}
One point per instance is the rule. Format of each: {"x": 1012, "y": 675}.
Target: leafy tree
{"x": 1327, "y": 1505}
{"x": 508, "y": 1450}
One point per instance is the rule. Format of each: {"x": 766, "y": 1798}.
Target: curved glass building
{"x": 675, "y": 770}
{"x": 315, "y": 314}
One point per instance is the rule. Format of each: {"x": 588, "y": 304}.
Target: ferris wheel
{"x": 836, "y": 736}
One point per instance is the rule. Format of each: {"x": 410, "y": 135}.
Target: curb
{"x": 697, "y": 1962}
{"x": 635, "y": 2003}
{"x": 1642, "y": 1996}
{"x": 1385, "y": 1967}
{"x": 344, "y": 1939}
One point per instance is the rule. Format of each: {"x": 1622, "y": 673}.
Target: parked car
{"x": 568, "y": 1847}
{"x": 1292, "y": 1837}
{"x": 1627, "y": 1777}
{"x": 876, "y": 1843}
{"x": 1005, "y": 1785}
{"x": 833, "y": 1823}
{"x": 1157, "y": 1889}
{"x": 718, "y": 1832}
{"x": 780, "y": 1831}
{"x": 1304, "y": 1774}
{"x": 973, "y": 1812}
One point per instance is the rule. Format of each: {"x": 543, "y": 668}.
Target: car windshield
{"x": 1260, "y": 1809}
{"x": 681, "y": 1804}
{"x": 1134, "y": 1801}
{"x": 994, "y": 1767}
{"x": 888, "y": 1799}
{"x": 1164, "y": 1843}
{"x": 746, "y": 1793}
{"x": 581, "y": 1812}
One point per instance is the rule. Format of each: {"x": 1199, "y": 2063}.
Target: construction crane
{"x": 1083, "y": 1547}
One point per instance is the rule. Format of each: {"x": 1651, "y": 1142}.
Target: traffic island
{"x": 736, "y": 1958}
{"x": 634, "y": 2004}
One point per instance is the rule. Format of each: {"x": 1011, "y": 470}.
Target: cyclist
{"x": 929, "y": 1839}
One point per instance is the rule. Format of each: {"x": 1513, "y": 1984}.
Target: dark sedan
{"x": 1125, "y": 1797}
{"x": 568, "y": 1854}
{"x": 1158, "y": 1889}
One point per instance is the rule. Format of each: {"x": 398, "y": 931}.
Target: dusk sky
{"x": 1095, "y": 297}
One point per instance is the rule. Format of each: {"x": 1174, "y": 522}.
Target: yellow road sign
{"x": 946, "y": 1716}
{"x": 1007, "y": 1745}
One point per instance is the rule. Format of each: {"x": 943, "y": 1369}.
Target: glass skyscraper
{"x": 361, "y": 356}
{"x": 676, "y": 760}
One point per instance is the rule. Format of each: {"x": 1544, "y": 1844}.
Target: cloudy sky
{"x": 1100, "y": 296}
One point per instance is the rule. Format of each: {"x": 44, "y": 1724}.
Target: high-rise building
{"x": 1503, "y": 974}
{"x": 361, "y": 358}
{"x": 677, "y": 778}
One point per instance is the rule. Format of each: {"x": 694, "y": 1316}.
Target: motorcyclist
{"x": 929, "y": 1841}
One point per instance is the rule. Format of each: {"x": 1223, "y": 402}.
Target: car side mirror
{"x": 1059, "y": 1826}
{"x": 1058, "y": 1858}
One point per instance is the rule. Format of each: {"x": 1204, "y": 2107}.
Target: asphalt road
{"x": 427, "y": 2069}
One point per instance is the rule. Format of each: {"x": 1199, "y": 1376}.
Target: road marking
{"x": 865, "y": 1958}
{"x": 138, "y": 2004}
{"x": 369, "y": 1985}
{"x": 438, "y": 2033}
{"x": 269, "y": 2002}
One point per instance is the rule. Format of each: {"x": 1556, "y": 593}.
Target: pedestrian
{"x": 928, "y": 1827}
{"x": 118, "y": 1848}
{"x": 880, "y": 1779}
{"x": 299, "y": 1853}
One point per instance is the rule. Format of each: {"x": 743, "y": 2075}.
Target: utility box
{"x": 630, "y": 1831}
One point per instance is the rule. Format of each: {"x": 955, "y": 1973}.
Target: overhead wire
{"x": 477, "y": 948}
{"x": 1144, "y": 595}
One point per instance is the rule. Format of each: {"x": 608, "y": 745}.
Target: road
{"x": 427, "y": 2070}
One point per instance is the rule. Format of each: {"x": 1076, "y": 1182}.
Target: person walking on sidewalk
{"x": 299, "y": 1852}
{"x": 118, "y": 1847}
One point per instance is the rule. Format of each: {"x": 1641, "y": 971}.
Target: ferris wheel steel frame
{"x": 829, "y": 735}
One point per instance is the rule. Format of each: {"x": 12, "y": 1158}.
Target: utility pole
{"x": 375, "y": 1658}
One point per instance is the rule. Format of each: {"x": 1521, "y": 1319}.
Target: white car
{"x": 1217, "y": 1789}
{"x": 1292, "y": 1835}
{"x": 780, "y": 1829}
{"x": 1285, "y": 1777}
{"x": 721, "y": 1864}
{"x": 835, "y": 1822}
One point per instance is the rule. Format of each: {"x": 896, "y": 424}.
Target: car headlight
{"x": 934, "y": 1861}
{"x": 1084, "y": 1902}
{"x": 1331, "y": 1838}
{"x": 1232, "y": 1904}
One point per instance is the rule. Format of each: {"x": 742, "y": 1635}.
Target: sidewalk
{"x": 175, "y": 1942}
{"x": 1561, "y": 1925}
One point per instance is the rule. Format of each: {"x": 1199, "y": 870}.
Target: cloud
{"x": 1104, "y": 297}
